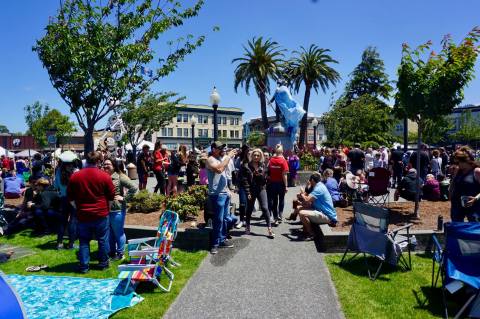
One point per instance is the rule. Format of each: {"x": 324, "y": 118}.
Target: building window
{"x": 179, "y": 118}
{"x": 236, "y": 121}
{"x": 310, "y": 137}
{"x": 232, "y": 121}
{"x": 170, "y": 131}
{"x": 179, "y": 132}
{"x": 185, "y": 118}
{"x": 202, "y": 132}
{"x": 224, "y": 120}
{"x": 225, "y": 133}
{"x": 185, "y": 132}
{"x": 232, "y": 134}
{"x": 237, "y": 134}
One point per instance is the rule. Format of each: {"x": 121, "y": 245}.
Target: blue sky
{"x": 346, "y": 27}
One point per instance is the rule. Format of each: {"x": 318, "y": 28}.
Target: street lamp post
{"x": 315, "y": 124}
{"x": 193, "y": 121}
{"x": 215, "y": 101}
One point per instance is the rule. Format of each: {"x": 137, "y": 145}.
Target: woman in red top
{"x": 278, "y": 168}
{"x": 160, "y": 158}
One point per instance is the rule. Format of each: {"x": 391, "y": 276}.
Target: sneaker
{"x": 82, "y": 270}
{"x": 226, "y": 244}
{"x": 213, "y": 250}
{"x": 60, "y": 246}
{"x": 280, "y": 220}
{"x": 239, "y": 225}
{"x": 117, "y": 257}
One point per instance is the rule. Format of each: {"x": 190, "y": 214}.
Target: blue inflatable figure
{"x": 292, "y": 111}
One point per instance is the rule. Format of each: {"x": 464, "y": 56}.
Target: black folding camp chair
{"x": 369, "y": 235}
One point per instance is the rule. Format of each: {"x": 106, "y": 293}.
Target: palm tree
{"x": 260, "y": 63}
{"x": 311, "y": 67}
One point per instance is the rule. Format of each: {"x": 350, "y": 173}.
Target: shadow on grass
{"x": 70, "y": 267}
{"x": 358, "y": 266}
{"x": 429, "y": 299}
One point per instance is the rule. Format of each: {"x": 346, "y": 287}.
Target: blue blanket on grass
{"x": 46, "y": 297}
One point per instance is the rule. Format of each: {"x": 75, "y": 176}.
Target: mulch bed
{"x": 151, "y": 219}
{"x": 402, "y": 213}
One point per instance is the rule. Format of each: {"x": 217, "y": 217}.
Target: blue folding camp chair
{"x": 459, "y": 265}
{"x": 370, "y": 235}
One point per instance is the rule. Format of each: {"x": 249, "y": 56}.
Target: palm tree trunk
{"x": 303, "y": 125}
{"x": 263, "y": 108}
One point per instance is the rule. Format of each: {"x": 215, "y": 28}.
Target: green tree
{"x": 312, "y": 68}
{"x": 4, "y": 129}
{"x": 436, "y": 131}
{"x": 365, "y": 120}
{"x": 41, "y": 119}
{"x": 99, "y": 52}
{"x": 256, "y": 139}
{"x": 429, "y": 88}
{"x": 469, "y": 131}
{"x": 369, "y": 77}
{"x": 147, "y": 115}
{"x": 261, "y": 61}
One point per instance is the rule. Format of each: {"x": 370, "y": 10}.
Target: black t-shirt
{"x": 424, "y": 160}
{"x": 357, "y": 158}
{"x": 397, "y": 156}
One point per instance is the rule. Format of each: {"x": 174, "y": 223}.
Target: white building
{"x": 230, "y": 126}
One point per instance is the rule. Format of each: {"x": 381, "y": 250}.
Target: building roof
{"x": 467, "y": 107}
{"x": 209, "y": 109}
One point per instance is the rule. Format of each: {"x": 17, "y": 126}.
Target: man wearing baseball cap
{"x": 218, "y": 194}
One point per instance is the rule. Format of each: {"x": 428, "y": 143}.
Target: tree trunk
{"x": 405, "y": 134}
{"x": 303, "y": 125}
{"x": 88, "y": 140}
{"x": 417, "y": 180}
{"x": 263, "y": 108}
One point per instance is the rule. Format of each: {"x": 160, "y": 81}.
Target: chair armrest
{"x": 396, "y": 230}
{"x": 140, "y": 240}
{"x": 143, "y": 252}
{"x": 133, "y": 267}
{"x": 437, "y": 251}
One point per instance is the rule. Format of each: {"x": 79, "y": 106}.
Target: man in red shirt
{"x": 278, "y": 169}
{"x": 91, "y": 190}
{"x": 5, "y": 163}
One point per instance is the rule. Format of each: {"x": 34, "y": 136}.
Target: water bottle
{"x": 413, "y": 242}
{"x": 440, "y": 223}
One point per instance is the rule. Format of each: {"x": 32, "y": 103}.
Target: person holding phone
{"x": 465, "y": 187}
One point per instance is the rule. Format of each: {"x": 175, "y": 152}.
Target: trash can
{"x": 132, "y": 171}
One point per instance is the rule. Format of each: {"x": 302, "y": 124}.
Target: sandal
{"x": 36, "y": 268}
{"x": 271, "y": 235}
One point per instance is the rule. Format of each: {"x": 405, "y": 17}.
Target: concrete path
{"x": 261, "y": 278}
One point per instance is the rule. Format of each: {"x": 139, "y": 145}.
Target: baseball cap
{"x": 218, "y": 145}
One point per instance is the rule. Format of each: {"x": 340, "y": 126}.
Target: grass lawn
{"x": 395, "y": 293}
{"x": 63, "y": 263}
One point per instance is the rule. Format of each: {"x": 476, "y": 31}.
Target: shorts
{"x": 315, "y": 216}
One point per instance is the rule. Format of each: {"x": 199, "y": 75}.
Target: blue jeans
{"x": 117, "y": 235}
{"x": 86, "y": 230}
{"x": 45, "y": 220}
{"x": 220, "y": 205}
{"x": 242, "y": 196}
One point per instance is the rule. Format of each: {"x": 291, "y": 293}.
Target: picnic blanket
{"x": 46, "y": 297}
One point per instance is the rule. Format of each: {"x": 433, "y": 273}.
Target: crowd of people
{"x": 88, "y": 198}
{"x": 443, "y": 175}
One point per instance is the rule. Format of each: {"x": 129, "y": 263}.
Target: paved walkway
{"x": 260, "y": 278}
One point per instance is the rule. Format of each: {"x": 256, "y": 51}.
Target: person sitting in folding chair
{"x": 322, "y": 210}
